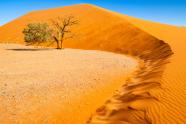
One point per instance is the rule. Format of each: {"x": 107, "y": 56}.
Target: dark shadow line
{"x": 31, "y": 49}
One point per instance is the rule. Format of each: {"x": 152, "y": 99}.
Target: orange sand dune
{"x": 173, "y": 99}
{"x": 155, "y": 93}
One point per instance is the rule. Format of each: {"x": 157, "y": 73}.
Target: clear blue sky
{"x": 164, "y": 11}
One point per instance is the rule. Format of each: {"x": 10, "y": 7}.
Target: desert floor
{"x": 42, "y": 86}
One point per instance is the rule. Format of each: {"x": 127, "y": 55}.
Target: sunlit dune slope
{"x": 97, "y": 29}
{"x": 156, "y": 91}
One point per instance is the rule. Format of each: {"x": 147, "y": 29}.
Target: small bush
{"x": 37, "y": 33}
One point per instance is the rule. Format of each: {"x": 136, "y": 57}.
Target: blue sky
{"x": 164, "y": 11}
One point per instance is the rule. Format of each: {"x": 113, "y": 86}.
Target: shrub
{"x": 37, "y": 33}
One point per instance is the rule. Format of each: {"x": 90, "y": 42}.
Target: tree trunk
{"x": 62, "y": 40}
{"x": 58, "y": 47}
{"x": 61, "y": 44}
{"x": 57, "y": 42}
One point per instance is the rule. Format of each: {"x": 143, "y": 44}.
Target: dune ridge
{"x": 148, "y": 96}
{"x": 128, "y": 104}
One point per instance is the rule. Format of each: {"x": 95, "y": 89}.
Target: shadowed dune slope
{"x": 156, "y": 92}
{"x": 174, "y": 78}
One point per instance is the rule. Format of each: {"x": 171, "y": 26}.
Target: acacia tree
{"x": 37, "y": 33}
{"x": 62, "y": 29}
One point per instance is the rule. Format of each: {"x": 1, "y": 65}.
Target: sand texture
{"x": 51, "y": 86}
{"x": 155, "y": 91}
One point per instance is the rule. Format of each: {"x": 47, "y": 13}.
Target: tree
{"x": 61, "y": 29}
{"x": 58, "y": 31}
{"x": 37, "y": 33}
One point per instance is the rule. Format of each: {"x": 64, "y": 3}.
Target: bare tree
{"x": 62, "y": 29}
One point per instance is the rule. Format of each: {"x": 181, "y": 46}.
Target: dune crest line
{"x": 127, "y": 106}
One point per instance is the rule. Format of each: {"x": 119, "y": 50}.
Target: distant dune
{"x": 155, "y": 93}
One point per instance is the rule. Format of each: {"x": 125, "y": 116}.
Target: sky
{"x": 164, "y": 11}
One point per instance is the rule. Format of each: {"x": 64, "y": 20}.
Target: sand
{"x": 172, "y": 108}
{"x": 45, "y": 86}
{"x": 155, "y": 93}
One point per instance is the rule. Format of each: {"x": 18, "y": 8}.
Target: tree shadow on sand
{"x": 30, "y": 49}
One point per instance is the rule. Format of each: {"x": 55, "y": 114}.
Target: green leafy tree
{"x": 37, "y": 33}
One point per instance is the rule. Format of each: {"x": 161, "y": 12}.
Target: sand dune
{"x": 173, "y": 80}
{"x": 155, "y": 93}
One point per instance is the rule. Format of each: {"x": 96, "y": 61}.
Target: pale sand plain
{"x": 48, "y": 86}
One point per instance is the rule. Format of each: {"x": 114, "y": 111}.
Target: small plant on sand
{"x": 36, "y": 33}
